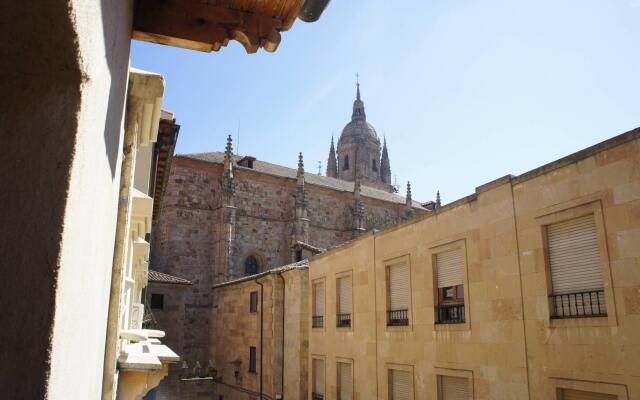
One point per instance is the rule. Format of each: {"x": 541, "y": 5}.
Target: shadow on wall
{"x": 40, "y": 95}
{"x": 117, "y": 68}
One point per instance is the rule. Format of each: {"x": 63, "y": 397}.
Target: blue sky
{"x": 465, "y": 91}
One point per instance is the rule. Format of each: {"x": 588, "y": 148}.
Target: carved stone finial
{"x": 438, "y": 202}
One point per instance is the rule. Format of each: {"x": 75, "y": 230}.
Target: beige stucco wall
{"x": 64, "y": 73}
{"x": 505, "y": 279}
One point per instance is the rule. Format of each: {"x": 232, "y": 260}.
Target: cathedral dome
{"x": 359, "y": 128}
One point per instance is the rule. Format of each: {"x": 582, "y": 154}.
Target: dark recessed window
{"x": 252, "y": 359}
{"x": 374, "y": 165}
{"x": 345, "y": 164}
{"x": 157, "y": 301}
{"x": 251, "y": 266}
{"x": 298, "y": 255}
{"x": 253, "y": 302}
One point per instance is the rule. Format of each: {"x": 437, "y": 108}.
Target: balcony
{"x": 397, "y": 317}
{"x": 578, "y": 305}
{"x": 343, "y": 320}
{"x": 317, "y": 321}
{"x": 317, "y": 396}
{"x": 450, "y": 314}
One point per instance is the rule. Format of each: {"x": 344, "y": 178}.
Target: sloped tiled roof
{"x": 159, "y": 277}
{"x": 296, "y": 265}
{"x": 217, "y": 157}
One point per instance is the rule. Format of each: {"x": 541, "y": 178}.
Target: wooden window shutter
{"x": 318, "y": 294}
{"x": 401, "y": 385}
{"x": 571, "y": 394}
{"x": 574, "y": 256}
{"x": 345, "y": 382}
{"x": 344, "y": 295}
{"x": 318, "y": 376}
{"x": 454, "y": 388}
{"x": 449, "y": 268}
{"x": 399, "y": 287}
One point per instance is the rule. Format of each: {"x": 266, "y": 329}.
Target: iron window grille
{"x": 317, "y": 321}
{"x": 578, "y": 305}
{"x": 397, "y": 317}
{"x": 343, "y": 320}
{"x": 450, "y": 314}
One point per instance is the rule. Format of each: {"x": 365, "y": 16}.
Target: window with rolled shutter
{"x": 318, "y": 299}
{"x": 318, "y": 376}
{"x": 344, "y": 295}
{"x": 574, "y": 256}
{"x": 345, "y": 381}
{"x": 453, "y": 388}
{"x": 449, "y": 268}
{"x": 401, "y": 385}
{"x": 398, "y": 287}
{"x": 571, "y": 394}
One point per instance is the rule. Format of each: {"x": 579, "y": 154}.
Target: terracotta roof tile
{"x": 159, "y": 277}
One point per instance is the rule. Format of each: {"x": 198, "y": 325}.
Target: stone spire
{"x": 438, "y": 202}
{"x": 332, "y": 166}
{"x": 300, "y": 231}
{"x": 358, "y": 210}
{"x": 227, "y": 220}
{"x": 227, "y": 175}
{"x": 385, "y": 166}
{"x": 358, "y": 106}
{"x": 408, "y": 204}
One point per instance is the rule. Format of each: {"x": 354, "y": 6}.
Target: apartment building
{"x": 527, "y": 289}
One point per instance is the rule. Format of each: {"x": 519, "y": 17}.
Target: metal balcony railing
{"x": 317, "y": 321}
{"x": 397, "y": 317}
{"x": 317, "y": 396}
{"x": 578, "y": 305}
{"x": 450, "y": 314}
{"x": 343, "y": 320}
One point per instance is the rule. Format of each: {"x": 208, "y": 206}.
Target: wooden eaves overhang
{"x": 208, "y": 25}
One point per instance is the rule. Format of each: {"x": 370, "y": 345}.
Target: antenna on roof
{"x": 396, "y": 187}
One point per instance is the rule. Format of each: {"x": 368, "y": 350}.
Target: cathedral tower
{"x": 358, "y": 153}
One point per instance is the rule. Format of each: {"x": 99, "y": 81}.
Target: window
{"x": 345, "y": 164}
{"x": 575, "y": 267}
{"x": 398, "y": 294}
{"x": 318, "y": 379}
{"x": 343, "y": 291}
{"x": 252, "y": 359}
{"x": 298, "y": 255}
{"x": 253, "y": 302}
{"x": 374, "y": 165}
{"x": 318, "y": 305}
{"x": 571, "y": 394}
{"x": 453, "y": 388}
{"x": 157, "y": 301}
{"x": 345, "y": 381}
{"x": 251, "y": 266}
{"x": 449, "y": 272}
{"x": 400, "y": 385}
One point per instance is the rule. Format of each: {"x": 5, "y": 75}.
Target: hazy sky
{"x": 465, "y": 91}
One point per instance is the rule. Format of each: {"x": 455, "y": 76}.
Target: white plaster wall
{"x": 82, "y": 297}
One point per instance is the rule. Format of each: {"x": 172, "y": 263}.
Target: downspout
{"x": 524, "y": 322}
{"x": 121, "y": 238}
{"x": 261, "y": 331}
{"x": 375, "y": 307}
{"x": 284, "y": 294}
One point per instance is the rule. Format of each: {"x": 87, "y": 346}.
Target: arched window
{"x": 251, "y": 266}
{"x": 345, "y": 164}
{"x": 374, "y": 165}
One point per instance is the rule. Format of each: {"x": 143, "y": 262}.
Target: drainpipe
{"x": 261, "y": 332}
{"x": 284, "y": 294}
{"x": 121, "y": 239}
